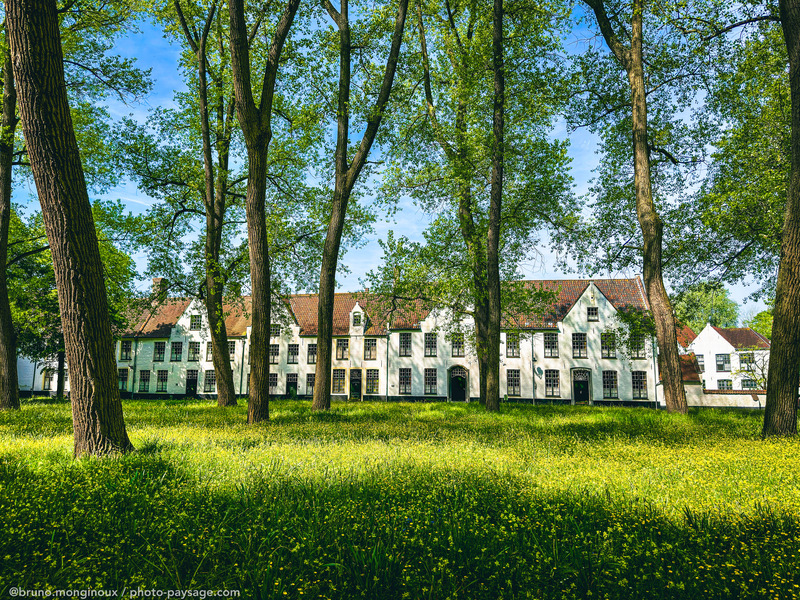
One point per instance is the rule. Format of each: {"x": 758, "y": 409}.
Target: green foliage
{"x": 705, "y": 302}
{"x": 761, "y": 323}
{"x": 400, "y": 500}
{"x": 31, "y": 280}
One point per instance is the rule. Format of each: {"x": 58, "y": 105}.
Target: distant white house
{"x": 731, "y": 358}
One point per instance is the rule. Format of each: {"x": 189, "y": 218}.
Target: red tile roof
{"x": 690, "y": 370}
{"x": 685, "y": 334}
{"x": 622, "y": 293}
{"x": 157, "y": 320}
{"x": 743, "y": 337}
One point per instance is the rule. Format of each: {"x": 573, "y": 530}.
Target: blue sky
{"x": 153, "y": 51}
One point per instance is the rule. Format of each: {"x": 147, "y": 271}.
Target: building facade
{"x": 568, "y": 355}
{"x": 731, "y": 359}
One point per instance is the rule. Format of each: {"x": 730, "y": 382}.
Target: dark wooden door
{"x": 191, "y": 384}
{"x": 355, "y": 384}
{"x": 580, "y": 387}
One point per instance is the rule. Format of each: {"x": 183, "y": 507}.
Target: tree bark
{"x": 9, "y": 386}
{"x": 649, "y": 221}
{"x": 346, "y": 177}
{"x": 256, "y": 123}
{"x": 780, "y": 415}
{"x": 97, "y": 418}
{"x": 495, "y": 205}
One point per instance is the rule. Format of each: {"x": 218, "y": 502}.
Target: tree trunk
{"x": 260, "y": 277}
{"x": 9, "y": 386}
{"x": 780, "y": 415}
{"x": 61, "y": 370}
{"x": 97, "y": 418}
{"x": 495, "y": 205}
{"x": 652, "y": 228}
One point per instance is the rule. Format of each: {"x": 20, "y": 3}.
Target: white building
{"x": 412, "y": 353}
{"x": 732, "y": 358}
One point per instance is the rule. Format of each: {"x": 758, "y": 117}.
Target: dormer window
{"x": 195, "y": 322}
{"x": 591, "y": 313}
{"x": 356, "y": 319}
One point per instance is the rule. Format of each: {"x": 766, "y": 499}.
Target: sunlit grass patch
{"x": 405, "y": 501}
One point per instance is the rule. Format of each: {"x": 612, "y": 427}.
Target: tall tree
{"x": 347, "y": 172}
{"x": 256, "y": 123}
{"x": 98, "y": 424}
{"x": 9, "y": 388}
{"x": 780, "y": 416}
{"x": 631, "y": 58}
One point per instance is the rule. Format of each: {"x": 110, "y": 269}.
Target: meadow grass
{"x": 404, "y": 501}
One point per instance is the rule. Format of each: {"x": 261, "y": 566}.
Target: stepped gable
{"x": 685, "y": 334}
{"x": 406, "y": 316}
{"x": 743, "y": 337}
{"x": 622, "y": 293}
{"x": 158, "y": 320}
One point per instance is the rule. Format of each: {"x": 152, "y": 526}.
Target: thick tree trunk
{"x": 495, "y": 205}
{"x": 9, "y": 386}
{"x": 652, "y": 228}
{"x": 780, "y": 415}
{"x": 97, "y": 419}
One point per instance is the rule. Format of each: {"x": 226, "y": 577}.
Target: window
{"x": 47, "y": 383}
{"x": 637, "y": 346}
{"x": 338, "y": 381}
{"x": 342, "y": 349}
{"x": 551, "y": 383}
{"x": 579, "y": 345}
{"x": 294, "y": 352}
{"x": 512, "y": 382}
{"x": 639, "y": 381}
{"x": 273, "y": 383}
{"x": 175, "y": 351}
{"x": 591, "y": 313}
{"x": 747, "y": 360}
{"x": 159, "y": 350}
{"x": 608, "y": 345}
{"x": 610, "y": 386}
{"x": 356, "y": 319}
{"x": 144, "y": 381}
{"x": 195, "y": 322}
{"x": 372, "y": 381}
{"x": 551, "y": 345}
{"x": 430, "y": 382}
{"x": 405, "y": 381}
{"x": 123, "y": 379}
{"x": 724, "y": 384}
{"x": 210, "y": 381}
{"x": 312, "y": 354}
{"x": 512, "y": 345}
{"x": 701, "y": 363}
{"x": 310, "y": 384}
{"x": 458, "y": 344}
{"x": 274, "y": 354}
{"x": 232, "y": 348}
{"x": 161, "y": 381}
{"x": 749, "y": 384}
{"x": 209, "y": 351}
{"x": 370, "y": 349}
{"x": 723, "y": 362}
{"x": 430, "y": 344}
{"x": 125, "y": 350}
{"x": 405, "y": 344}
{"x": 194, "y": 351}
{"x": 191, "y": 375}
{"x": 274, "y": 330}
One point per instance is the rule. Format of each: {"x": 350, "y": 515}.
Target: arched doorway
{"x": 459, "y": 391}
{"x": 581, "y": 386}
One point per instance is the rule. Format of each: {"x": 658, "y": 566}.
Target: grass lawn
{"x": 404, "y": 501}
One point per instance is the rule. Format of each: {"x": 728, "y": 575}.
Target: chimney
{"x": 160, "y": 288}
